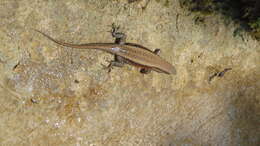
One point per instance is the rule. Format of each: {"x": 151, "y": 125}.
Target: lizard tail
{"x": 100, "y": 46}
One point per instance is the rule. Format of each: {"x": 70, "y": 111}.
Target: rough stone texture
{"x": 53, "y": 95}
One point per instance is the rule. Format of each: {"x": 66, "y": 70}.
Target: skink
{"x": 128, "y": 53}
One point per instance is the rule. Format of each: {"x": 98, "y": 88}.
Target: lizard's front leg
{"x": 147, "y": 70}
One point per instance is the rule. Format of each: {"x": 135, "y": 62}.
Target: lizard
{"x": 125, "y": 53}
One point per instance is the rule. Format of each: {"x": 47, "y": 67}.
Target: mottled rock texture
{"x": 53, "y": 95}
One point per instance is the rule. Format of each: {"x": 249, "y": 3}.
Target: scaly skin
{"x": 133, "y": 53}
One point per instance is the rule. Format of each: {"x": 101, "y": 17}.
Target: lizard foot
{"x": 113, "y": 63}
{"x": 120, "y": 36}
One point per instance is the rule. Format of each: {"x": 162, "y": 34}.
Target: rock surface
{"x": 53, "y": 95}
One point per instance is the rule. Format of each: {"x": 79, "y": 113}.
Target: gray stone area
{"x": 54, "y": 95}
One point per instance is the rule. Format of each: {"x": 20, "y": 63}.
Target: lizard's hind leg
{"x": 120, "y": 36}
{"x": 117, "y": 62}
